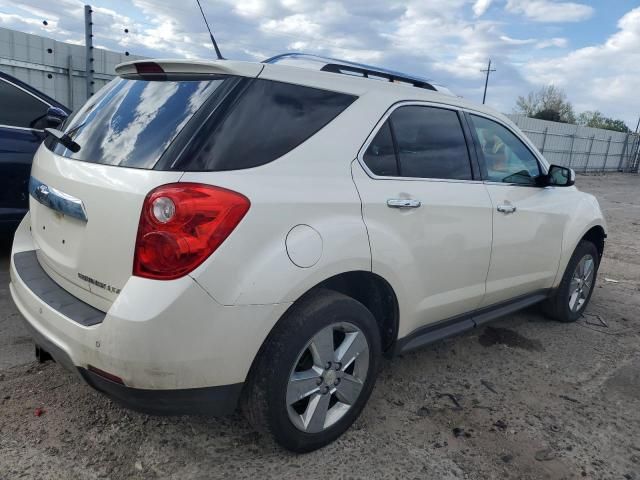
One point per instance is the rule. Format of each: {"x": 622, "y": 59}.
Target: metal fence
{"x": 584, "y": 149}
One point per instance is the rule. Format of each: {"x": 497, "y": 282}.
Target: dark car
{"x": 24, "y": 114}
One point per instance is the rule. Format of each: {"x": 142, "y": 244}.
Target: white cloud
{"x": 480, "y": 7}
{"x": 553, "y": 42}
{"x": 550, "y": 11}
{"x": 252, "y": 8}
{"x": 298, "y": 24}
{"x": 517, "y": 41}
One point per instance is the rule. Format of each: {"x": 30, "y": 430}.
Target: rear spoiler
{"x": 189, "y": 67}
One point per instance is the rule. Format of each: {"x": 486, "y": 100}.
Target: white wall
{"x": 27, "y": 57}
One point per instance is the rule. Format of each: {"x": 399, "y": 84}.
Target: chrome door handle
{"x": 403, "y": 203}
{"x": 506, "y": 208}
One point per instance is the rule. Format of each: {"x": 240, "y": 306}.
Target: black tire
{"x": 264, "y": 398}
{"x": 557, "y": 306}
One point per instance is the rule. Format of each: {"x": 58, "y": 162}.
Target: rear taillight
{"x": 181, "y": 224}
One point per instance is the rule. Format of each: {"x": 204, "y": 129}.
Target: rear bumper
{"x": 216, "y": 401}
{"x": 175, "y": 348}
{"x": 219, "y": 400}
{"x": 58, "y": 354}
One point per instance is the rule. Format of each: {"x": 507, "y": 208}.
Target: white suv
{"x": 212, "y": 233}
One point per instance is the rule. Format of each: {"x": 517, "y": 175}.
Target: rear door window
{"x": 264, "y": 121}
{"x": 19, "y": 108}
{"x": 430, "y": 143}
{"x": 380, "y": 156}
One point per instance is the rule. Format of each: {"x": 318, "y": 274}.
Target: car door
{"x": 21, "y": 132}
{"x": 427, "y": 215}
{"x": 528, "y": 220}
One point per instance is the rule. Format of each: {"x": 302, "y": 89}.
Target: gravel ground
{"x": 523, "y": 398}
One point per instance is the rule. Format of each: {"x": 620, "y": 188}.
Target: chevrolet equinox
{"x": 204, "y": 235}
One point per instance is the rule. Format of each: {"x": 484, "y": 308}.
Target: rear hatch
{"x": 85, "y": 205}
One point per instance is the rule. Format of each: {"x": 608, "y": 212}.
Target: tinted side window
{"x": 430, "y": 143}
{"x": 380, "y": 157}
{"x": 506, "y": 158}
{"x": 20, "y": 109}
{"x": 265, "y": 121}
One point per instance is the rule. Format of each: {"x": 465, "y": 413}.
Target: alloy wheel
{"x": 327, "y": 377}
{"x": 581, "y": 282}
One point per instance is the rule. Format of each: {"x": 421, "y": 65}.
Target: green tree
{"x": 596, "y": 119}
{"x": 550, "y": 115}
{"x": 548, "y": 102}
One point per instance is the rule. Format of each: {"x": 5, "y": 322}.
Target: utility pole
{"x": 88, "y": 46}
{"x": 636, "y": 141}
{"x": 486, "y": 81}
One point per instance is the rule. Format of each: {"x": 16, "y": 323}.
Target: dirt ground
{"x": 523, "y": 398}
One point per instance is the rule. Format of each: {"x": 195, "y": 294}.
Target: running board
{"x": 460, "y": 324}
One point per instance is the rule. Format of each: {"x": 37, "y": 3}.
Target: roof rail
{"x": 327, "y": 64}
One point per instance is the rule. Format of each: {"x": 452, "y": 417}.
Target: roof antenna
{"x": 213, "y": 40}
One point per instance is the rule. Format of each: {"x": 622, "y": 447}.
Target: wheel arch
{"x": 370, "y": 289}
{"x": 594, "y": 232}
{"x": 597, "y": 236}
{"x": 375, "y": 293}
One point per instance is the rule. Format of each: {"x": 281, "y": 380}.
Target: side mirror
{"x": 55, "y": 116}
{"x": 560, "y": 176}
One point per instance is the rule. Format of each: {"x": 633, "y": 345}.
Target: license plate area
{"x": 58, "y": 236}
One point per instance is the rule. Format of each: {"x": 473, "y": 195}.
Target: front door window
{"x": 507, "y": 159}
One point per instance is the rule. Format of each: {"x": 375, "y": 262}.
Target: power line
{"x": 486, "y": 81}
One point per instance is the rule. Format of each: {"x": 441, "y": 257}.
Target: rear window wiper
{"x": 65, "y": 138}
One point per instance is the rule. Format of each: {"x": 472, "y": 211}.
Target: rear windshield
{"x": 132, "y": 122}
{"x": 250, "y": 123}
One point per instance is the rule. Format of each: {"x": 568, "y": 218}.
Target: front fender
{"x": 585, "y": 214}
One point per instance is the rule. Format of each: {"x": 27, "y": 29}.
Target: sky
{"x": 591, "y": 49}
